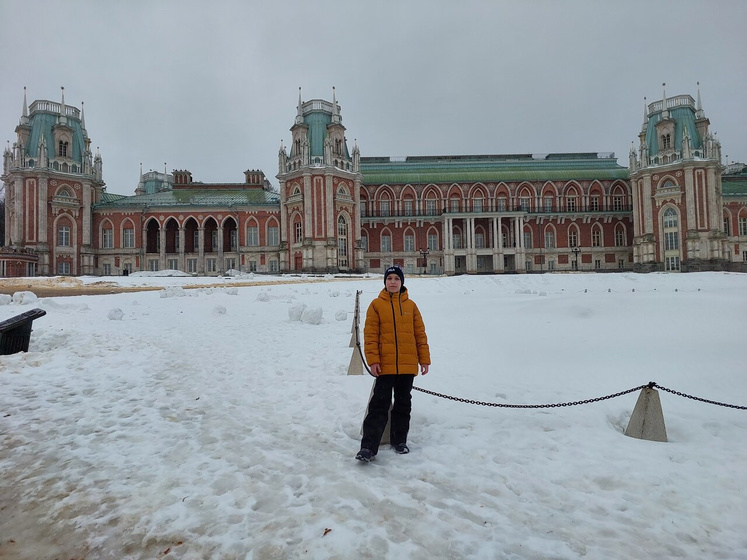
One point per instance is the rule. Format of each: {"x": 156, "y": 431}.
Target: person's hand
{"x": 423, "y": 369}
{"x": 375, "y": 369}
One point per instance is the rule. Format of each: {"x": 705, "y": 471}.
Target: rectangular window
{"x": 671, "y": 241}
{"x": 192, "y": 266}
{"x": 108, "y": 239}
{"x": 457, "y": 241}
{"x": 619, "y": 237}
{"x": 617, "y": 204}
{"x": 454, "y": 205}
{"x": 299, "y": 232}
{"x": 528, "y": 266}
{"x": 570, "y": 204}
{"x": 527, "y": 239}
{"x": 196, "y": 240}
{"x": 477, "y": 205}
{"x": 252, "y": 266}
{"x": 153, "y": 265}
{"x": 671, "y": 263}
{"x": 502, "y": 204}
{"x": 384, "y": 206}
{"x": 363, "y": 207}
{"x": 551, "y": 264}
{"x": 274, "y": 266}
{"x": 230, "y": 264}
{"x": 173, "y": 264}
{"x": 386, "y": 244}
{"x": 63, "y": 236}
{"x": 252, "y": 236}
{"x": 364, "y": 243}
{"x": 549, "y": 239}
{"x": 524, "y": 203}
{"x": 432, "y": 242}
{"x": 742, "y": 226}
{"x": 596, "y": 238}
{"x": 408, "y": 207}
{"x": 597, "y": 263}
{"x": 211, "y": 265}
{"x": 409, "y": 243}
{"x": 573, "y": 238}
{"x": 744, "y": 256}
{"x": 107, "y": 270}
{"x": 234, "y": 239}
{"x": 430, "y": 207}
{"x": 409, "y": 269}
{"x": 621, "y": 264}
{"x": 594, "y": 203}
{"x": 214, "y": 240}
{"x": 479, "y": 240}
{"x": 63, "y": 268}
{"x": 548, "y": 203}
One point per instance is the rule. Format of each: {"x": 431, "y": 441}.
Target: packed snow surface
{"x": 220, "y": 422}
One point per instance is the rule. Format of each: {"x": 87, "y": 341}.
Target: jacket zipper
{"x": 396, "y": 341}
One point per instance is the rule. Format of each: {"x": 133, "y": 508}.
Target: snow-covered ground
{"x": 206, "y": 423}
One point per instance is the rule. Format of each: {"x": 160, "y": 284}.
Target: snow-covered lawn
{"x": 205, "y": 423}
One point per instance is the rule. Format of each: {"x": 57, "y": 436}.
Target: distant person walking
{"x": 395, "y": 344}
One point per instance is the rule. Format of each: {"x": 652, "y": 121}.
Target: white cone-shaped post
{"x": 356, "y": 363}
{"x": 385, "y": 439}
{"x": 647, "y": 420}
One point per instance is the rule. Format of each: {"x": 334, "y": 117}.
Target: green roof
{"x": 195, "y": 197}
{"x": 506, "y": 168}
{"x": 43, "y": 123}
{"x": 734, "y": 187}
{"x": 683, "y": 116}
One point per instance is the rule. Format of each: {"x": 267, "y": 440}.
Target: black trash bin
{"x": 15, "y": 333}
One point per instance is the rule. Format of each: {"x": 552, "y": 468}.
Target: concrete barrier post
{"x": 647, "y": 420}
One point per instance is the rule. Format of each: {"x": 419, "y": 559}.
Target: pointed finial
{"x": 25, "y": 105}
{"x": 63, "y": 95}
{"x": 82, "y": 115}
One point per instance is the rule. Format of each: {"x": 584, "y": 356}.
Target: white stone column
{"x": 162, "y": 249}
{"x": 201, "y": 250}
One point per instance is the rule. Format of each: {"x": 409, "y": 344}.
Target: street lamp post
{"x": 424, "y": 255}
{"x": 575, "y": 251}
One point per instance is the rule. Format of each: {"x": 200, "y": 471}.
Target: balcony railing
{"x": 581, "y": 209}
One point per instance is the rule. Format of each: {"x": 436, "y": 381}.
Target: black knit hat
{"x": 395, "y": 270}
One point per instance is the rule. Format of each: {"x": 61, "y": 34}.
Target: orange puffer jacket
{"x": 394, "y": 334}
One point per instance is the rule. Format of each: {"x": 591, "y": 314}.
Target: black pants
{"x": 378, "y": 411}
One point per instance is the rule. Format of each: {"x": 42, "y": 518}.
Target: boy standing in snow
{"x": 395, "y": 344}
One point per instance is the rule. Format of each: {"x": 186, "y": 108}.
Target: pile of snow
{"x": 223, "y": 426}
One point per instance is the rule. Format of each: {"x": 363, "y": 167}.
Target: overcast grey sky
{"x": 212, "y": 87}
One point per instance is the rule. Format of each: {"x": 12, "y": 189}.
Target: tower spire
{"x": 25, "y": 113}
{"x": 645, "y": 113}
{"x": 82, "y": 116}
{"x": 299, "y": 113}
{"x": 335, "y": 112}
{"x": 699, "y": 114}
{"x": 63, "y": 108}
{"x": 664, "y": 112}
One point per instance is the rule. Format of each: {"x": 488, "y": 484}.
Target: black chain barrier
{"x": 649, "y": 385}
{"x": 552, "y": 405}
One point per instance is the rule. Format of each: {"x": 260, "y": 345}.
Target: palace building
{"x": 677, "y": 207}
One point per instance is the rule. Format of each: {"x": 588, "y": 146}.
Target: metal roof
{"x": 195, "y": 197}
{"x": 506, "y": 168}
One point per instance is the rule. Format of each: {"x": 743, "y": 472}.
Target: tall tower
{"x": 319, "y": 193}
{"x": 676, "y": 182}
{"x": 51, "y": 181}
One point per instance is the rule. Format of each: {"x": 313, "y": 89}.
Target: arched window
{"x": 342, "y": 242}
{"x": 671, "y": 240}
